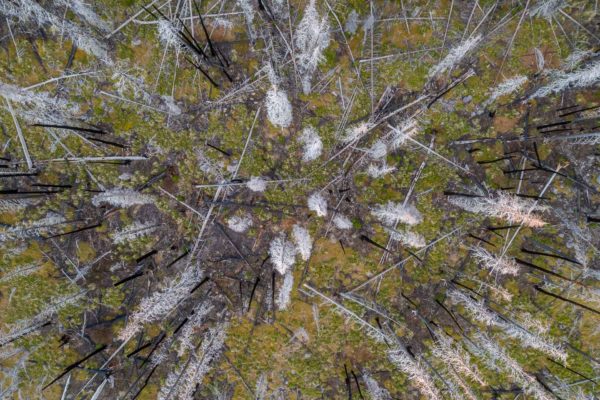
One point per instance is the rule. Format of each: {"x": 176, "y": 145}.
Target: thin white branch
{"x": 59, "y": 78}
{"x": 134, "y": 16}
{"x": 20, "y": 134}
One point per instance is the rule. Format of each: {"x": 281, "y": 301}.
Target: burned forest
{"x": 299, "y": 199}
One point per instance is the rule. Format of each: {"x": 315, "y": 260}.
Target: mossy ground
{"x": 305, "y": 347}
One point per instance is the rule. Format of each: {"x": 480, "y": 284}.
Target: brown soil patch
{"x": 504, "y": 124}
